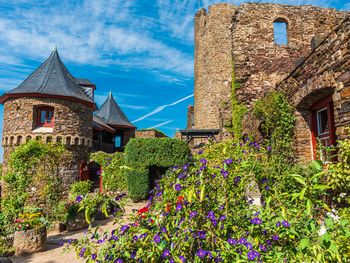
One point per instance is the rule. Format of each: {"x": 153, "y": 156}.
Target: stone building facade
{"x": 239, "y": 40}
{"x": 242, "y": 43}
{"x": 53, "y": 106}
{"x": 321, "y": 85}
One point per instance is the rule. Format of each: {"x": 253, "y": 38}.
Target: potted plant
{"x": 30, "y": 232}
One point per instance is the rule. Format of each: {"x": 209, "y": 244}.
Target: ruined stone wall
{"x": 243, "y": 36}
{"x": 72, "y": 126}
{"x": 149, "y": 134}
{"x": 326, "y": 71}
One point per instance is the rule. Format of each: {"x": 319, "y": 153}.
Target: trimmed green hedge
{"x": 143, "y": 153}
{"x": 162, "y": 152}
{"x": 138, "y": 183}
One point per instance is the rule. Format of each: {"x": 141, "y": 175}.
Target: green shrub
{"x": 138, "y": 183}
{"x": 141, "y": 154}
{"x": 200, "y": 212}
{"x": 113, "y": 174}
{"x": 80, "y": 188}
{"x": 36, "y": 164}
{"x": 161, "y": 152}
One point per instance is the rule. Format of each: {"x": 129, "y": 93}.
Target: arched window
{"x": 28, "y": 138}
{"x": 68, "y": 139}
{"x": 280, "y": 27}
{"x": 59, "y": 139}
{"x": 48, "y": 139}
{"x": 19, "y": 140}
{"x": 83, "y": 142}
{"x": 76, "y": 141}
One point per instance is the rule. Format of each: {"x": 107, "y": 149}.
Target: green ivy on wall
{"x": 238, "y": 110}
{"x": 277, "y": 123}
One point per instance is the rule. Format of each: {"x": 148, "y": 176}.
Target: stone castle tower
{"x": 51, "y": 106}
{"x": 242, "y": 37}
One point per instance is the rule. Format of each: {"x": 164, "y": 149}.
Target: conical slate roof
{"x": 51, "y": 78}
{"x": 112, "y": 114}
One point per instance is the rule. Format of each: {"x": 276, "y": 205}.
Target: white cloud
{"x": 161, "y": 124}
{"x": 133, "y": 107}
{"x": 99, "y": 33}
{"x": 161, "y": 108}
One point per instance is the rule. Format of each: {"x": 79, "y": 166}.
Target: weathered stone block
{"x": 30, "y": 241}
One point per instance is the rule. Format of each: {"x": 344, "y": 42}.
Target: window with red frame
{"x": 323, "y": 128}
{"x": 45, "y": 117}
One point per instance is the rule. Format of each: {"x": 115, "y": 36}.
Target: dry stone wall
{"x": 243, "y": 37}
{"x": 325, "y": 72}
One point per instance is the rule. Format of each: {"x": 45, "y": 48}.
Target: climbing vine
{"x": 238, "y": 110}
{"x": 277, "y": 123}
{"x": 32, "y": 164}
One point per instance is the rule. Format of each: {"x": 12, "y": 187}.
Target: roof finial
{"x": 55, "y": 48}
{"x": 110, "y": 93}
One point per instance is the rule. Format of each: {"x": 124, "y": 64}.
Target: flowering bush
{"x": 202, "y": 212}
{"x": 32, "y": 218}
{"x": 80, "y": 188}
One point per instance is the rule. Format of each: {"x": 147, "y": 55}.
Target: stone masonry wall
{"x": 326, "y": 71}
{"x": 72, "y": 126}
{"x": 149, "y": 134}
{"x": 243, "y": 36}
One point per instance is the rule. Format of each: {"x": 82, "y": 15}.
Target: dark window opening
{"x": 280, "y": 32}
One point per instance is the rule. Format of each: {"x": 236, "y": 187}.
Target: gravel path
{"x": 54, "y": 251}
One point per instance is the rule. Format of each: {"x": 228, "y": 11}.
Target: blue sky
{"x": 141, "y": 50}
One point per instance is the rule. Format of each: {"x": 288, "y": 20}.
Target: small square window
{"x": 45, "y": 117}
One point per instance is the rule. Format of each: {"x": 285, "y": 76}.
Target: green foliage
{"x": 92, "y": 204}
{"x": 138, "y": 183}
{"x": 277, "y": 118}
{"x": 113, "y": 170}
{"x": 32, "y": 164}
{"x": 200, "y": 212}
{"x": 161, "y": 152}
{"x": 338, "y": 176}
{"x": 238, "y": 110}
{"x": 144, "y": 153}
{"x": 80, "y": 188}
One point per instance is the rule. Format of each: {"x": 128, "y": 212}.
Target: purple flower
{"x": 224, "y": 173}
{"x": 178, "y": 207}
{"x": 201, "y": 234}
{"x": 232, "y": 241}
{"x": 166, "y": 253}
{"x": 256, "y": 221}
{"x": 181, "y": 176}
{"x": 93, "y": 256}
{"x": 269, "y": 148}
{"x": 253, "y": 254}
{"x": 203, "y": 161}
{"x": 143, "y": 235}
{"x": 249, "y": 245}
{"x": 182, "y": 258}
{"x": 275, "y": 237}
{"x": 262, "y": 248}
{"x": 79, "y": 198}
{"x": 82, "y": 251}
{"x": 202, "y": 168}
{"x": 267, "y": 188}
{"x": 278, "y": 224}
{"x": 237, "y": 179}
{"x": 178, "y": 187}
{"x": 228, "y": 161}
{"x": 156, "y": 239}
{"x": 200, "y": 152}
{"x": 124, "y": 228}
{"x": 119, "y": 260}
{"x": 201, "y": 253}
{"x": 133, "y": 254}
{"x": 285, "y": 223}
{"x": 193, "y": 214}
{"x": 242, "y": 240}
{"x": 223, "y": 217}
